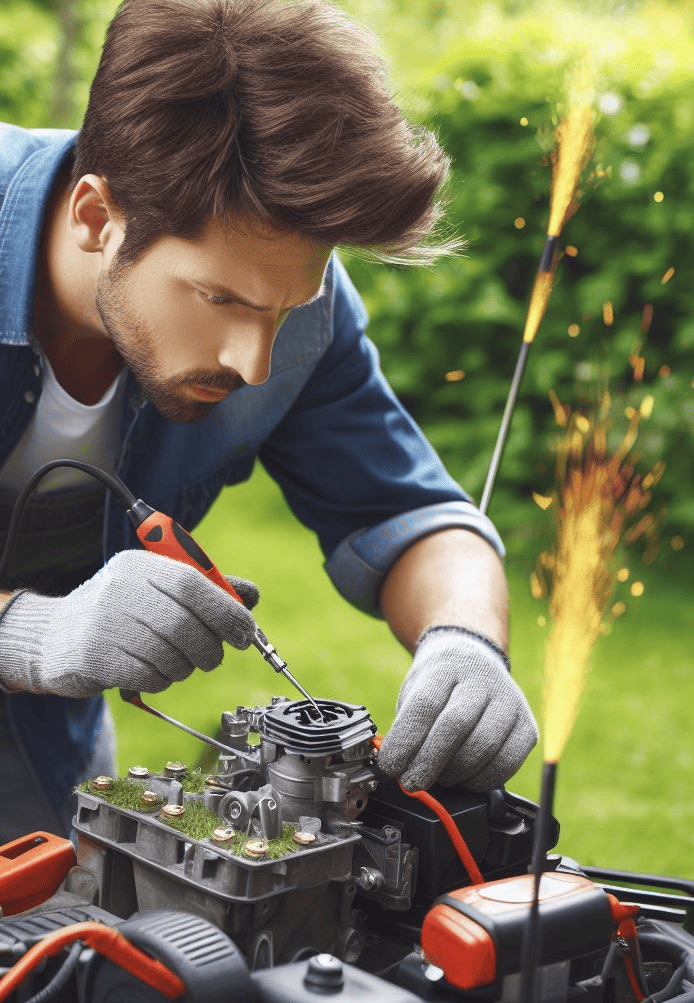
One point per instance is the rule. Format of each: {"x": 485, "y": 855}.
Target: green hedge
{"x": 468, "y": 314}
{"x": 503, "y": 64}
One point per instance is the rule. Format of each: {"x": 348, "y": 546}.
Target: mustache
{"x": 224, "y": 381}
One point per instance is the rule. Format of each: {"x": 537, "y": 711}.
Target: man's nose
{"x": 249, "y": 352}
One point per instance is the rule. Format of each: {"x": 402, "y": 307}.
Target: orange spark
{"x": 638, "y": 364}
{"x": 646, "y": 318}
{"x": 600, "y": 504}
{"x": 575, "y": 145}
{"x": 539, "y": 299}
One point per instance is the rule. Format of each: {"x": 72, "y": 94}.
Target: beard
{"x": 134, "y": 342}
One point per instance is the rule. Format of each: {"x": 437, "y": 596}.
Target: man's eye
{"x": 216, "y": 300}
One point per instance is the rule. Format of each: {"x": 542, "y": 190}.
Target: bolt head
{"x": 303, "y": 838}
{"x": 102, "y": 783}
{"x": 175, "y": 769}
{"x": 138, "y": 773}
{"x": 255, "y": 848}
{"x": 223, "y": 836}
{"x": 173, "y": 810}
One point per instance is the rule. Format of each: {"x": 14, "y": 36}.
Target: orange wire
{"x": 459, "y": 844}
{"x": 623, "y": 914}
{"x": 633, "y": 981}
{"x": 112, "y": 944}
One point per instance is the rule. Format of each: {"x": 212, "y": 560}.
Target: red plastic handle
{"x": 31, "y": 868}
{"x": 163, "y": 535}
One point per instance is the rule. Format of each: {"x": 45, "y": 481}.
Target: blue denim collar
{"x": 21, "y": 222}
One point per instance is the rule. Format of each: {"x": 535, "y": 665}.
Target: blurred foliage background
{"x": 492, "y": 84}
{"x": 490, "y": 79}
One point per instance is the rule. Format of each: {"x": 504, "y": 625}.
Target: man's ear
{"x": 94, "y": 218}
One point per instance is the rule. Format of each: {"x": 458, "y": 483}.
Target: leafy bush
{"x": 500, "y": 65}
{"x": 494, "y": 109}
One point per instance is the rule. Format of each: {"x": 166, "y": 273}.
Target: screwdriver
{"x": 157, "y": 532}
{"x": 163, "y": 535}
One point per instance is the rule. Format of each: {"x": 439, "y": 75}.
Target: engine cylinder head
{"x": 341, "y": 728}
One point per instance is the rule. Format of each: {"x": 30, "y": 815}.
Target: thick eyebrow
{"x": 230, "y": 294}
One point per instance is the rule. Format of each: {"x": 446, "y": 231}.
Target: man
{"x": 171, "y": 308}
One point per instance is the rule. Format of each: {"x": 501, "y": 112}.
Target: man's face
{"x": 197, "y": 319}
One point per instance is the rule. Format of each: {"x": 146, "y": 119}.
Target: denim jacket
{"x": 351, "y": 462}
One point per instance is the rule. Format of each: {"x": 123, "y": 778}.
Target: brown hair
{"x": 279, "y": 112}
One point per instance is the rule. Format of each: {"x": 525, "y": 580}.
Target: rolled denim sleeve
{"x": 359, "y": 564}
{"x": 356, "y": 468}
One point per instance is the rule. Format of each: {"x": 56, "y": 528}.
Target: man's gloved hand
{"x": 461, "y": 718}
{"x": 142, "y": 622}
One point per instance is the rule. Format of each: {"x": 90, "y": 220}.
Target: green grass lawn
{"x": 625, "y": 783}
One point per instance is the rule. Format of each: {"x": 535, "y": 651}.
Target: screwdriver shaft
{"x": 269, "y": 653}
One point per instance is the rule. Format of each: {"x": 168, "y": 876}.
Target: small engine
{"x": 297, "y": 870}
{"x": 280, "y": 847}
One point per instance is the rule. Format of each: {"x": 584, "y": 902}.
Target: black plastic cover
{"x": 497, "y": 826}
{"x": 293, "y": 984}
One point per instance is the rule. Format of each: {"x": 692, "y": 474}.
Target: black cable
{"x": 609, "y": 961}
{"x": 52, "y": 988}
{"x": 671, "y": 989}
{"x": 111, "y": 481}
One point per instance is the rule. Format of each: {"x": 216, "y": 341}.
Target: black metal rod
{"x": 133, "y": 697}
{"x": 505, "y": 425}
{"x": 532, "y": 935}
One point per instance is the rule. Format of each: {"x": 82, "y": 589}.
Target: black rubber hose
{"x": 52, "y": 988}
{"x": 671, "y": 989}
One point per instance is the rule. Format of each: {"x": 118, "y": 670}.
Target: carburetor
{"x": 318, "y": 772}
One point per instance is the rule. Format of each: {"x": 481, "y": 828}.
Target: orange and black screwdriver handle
{"x": 163, "y": 535}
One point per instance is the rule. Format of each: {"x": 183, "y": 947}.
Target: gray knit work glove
{"x": 461, "y": 718}
{"x": 142, "y": 622}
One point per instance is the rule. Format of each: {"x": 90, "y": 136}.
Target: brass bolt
{"x": 175, "y": 769}
{"x": 138, "y": 773}
{"x": 173, "y": 810}
{"x": 223, "y": 836}
{"x": 303, "y": 838}
{"x": 255, "y": 848}
{"x": 150, "y": 799}
{"x": 213, "y": 783}
{"x": 102, "y": 783}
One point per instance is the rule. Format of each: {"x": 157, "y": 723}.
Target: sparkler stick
{"x": 600, "y": 495}
{"x": 574, "y": 146}
{"x": 572, "y": 151}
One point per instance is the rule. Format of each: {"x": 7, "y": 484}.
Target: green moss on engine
{"x": 123, "y": 794}
{"x": 197, "y": 822}
{"x": 193, "y": 782}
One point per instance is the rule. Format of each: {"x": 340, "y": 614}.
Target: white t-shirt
{"x": 62, "y": 427}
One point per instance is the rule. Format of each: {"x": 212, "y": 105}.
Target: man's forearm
{"x": 450, "y": 577}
